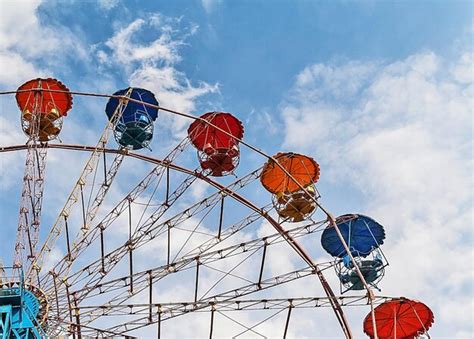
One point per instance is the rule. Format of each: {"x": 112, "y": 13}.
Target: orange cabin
{"x": 43, "y": 103}
{"x": 290, "y": 201}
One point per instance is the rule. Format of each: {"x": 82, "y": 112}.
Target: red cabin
{"x": 216, "y": 137}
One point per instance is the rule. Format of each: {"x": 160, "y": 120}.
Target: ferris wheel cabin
{"x": 216, "y": 137}
{"x": 292, "y": 203}
{"x": 133, "y": 119}
{"x": 363, "y": 236}
{"x": 43, "y": 104}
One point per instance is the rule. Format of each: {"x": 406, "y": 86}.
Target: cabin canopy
{"x": 210, "y": 135}
{"x": 132, "y": 108}
{"x": 35, "y": 96}
{"x": 362, "y": 234}
{"x": 303, "y": 169}
{"x": 399, "y": 318}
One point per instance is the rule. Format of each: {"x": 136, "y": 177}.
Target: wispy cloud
{"x": 153, "y": 64}
{"x": 30, "y": 48}
{"x": 400, "y": 134}
{"x": 108, "y": 4}
{"x": 210, "y": 5}
{"x": 163, "y": 50}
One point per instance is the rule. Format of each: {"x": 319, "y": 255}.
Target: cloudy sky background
{"x": 379, "y": 93}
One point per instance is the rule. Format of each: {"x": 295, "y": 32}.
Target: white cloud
{"x": 163, "y": 49}
{"x": 400, "y": 134}
{"x": 16, "y": 70}
{"x": 10, "y": 164}
{"x": 29, "y": 48}
{"x": 19, "y": 27}
{"x": 152, "y": 65}
{"x": 108, "y": 4}
{"x": 210, "y": 5}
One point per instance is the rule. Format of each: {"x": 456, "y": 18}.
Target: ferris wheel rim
{"x": 299, "y": 250}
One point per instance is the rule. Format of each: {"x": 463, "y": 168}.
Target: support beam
{"x": 290, "y": 307}
{"x": 213, "y": 310}
{"x": 265, "y": 244}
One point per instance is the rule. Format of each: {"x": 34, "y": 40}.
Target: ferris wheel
{"x": 142, "y": 242}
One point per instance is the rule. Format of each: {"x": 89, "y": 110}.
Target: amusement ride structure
{"x": 124, "y": 262}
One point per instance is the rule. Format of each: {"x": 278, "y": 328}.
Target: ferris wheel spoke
{"x": 238, "y": 292}
{"x": 75, "y": 194}
{"x": 174, "y": 310}
{"x": 226, "y": 233}
{"x": 99, "y": 268}
{"x": 89, "y": 213}
{"x": 145, "y": 279}
{"x": 150, "y": 229}
{"x": 63, "y": 267}
{"x": 179, "y": 309}
{"x": 116, "y": 255}
{"x": 157, "y": 312}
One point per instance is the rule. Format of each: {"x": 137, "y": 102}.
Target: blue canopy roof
{"x": 129, "y": 114}
{"x": 362, "y": 234}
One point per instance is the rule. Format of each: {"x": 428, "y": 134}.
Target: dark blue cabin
{"x": 363, "y": 236}
{"x": 133, "y": 121}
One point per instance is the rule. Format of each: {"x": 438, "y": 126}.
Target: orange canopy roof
{"x": 27, "y": 99}
{"x": 304, "y": 169}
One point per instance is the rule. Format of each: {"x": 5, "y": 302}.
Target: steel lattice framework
{"x": 103, "y": 285}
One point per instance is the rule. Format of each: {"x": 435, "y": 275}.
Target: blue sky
{"x": 378, "y": 92}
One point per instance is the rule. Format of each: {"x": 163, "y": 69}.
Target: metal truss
{"x": 30, "y": 207}
{"x": 95, "y": 272}
{"x": 62, "y": 268}
{"x": 170, "y": 310}
{"x": 70, "y": 290}
{"x": 144, "y": 280}
{"x": 63, "y": 288}
{"x": 77, "y": 194}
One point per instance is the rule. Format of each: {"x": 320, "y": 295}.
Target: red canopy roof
{"x": 399, "y": 318}
{"x": 203, "y": 135}
{"x": 46, "y": 101}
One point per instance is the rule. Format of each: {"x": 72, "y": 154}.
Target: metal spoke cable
{"x": 176, "y": 310}
{"x": 63, "y": 267}
{"x": 205, "y": 257}
{"x": 227, "y": 273}
{"x": 239, "y": 323}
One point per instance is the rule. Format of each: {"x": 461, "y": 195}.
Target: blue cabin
{"x": 363, "y": 236}
{"x": 372, "y": 269}
{"x": 133, "y": 121}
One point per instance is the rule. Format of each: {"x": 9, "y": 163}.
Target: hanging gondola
{"x": 43, "y": 103}
{"x": 218, "y": 152}
{"x": 290, "y": 201}
{"x": 363, "y": 236}
{"x": 133, "y": 123}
